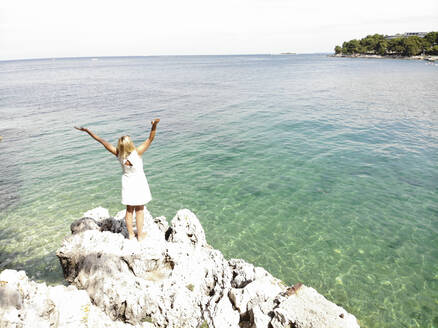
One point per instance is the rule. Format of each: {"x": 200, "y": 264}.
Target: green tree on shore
{"x": 412, "y": 46}
{"x": 382, "y": 47}
{"x": 433, "y": 51}
{"x": 395, "y": 47}
{"x": 432, "y": 38}
{"x": 401, "y": 46}
{"x": 370, "y": 42}
{"x": 432, "y": 43}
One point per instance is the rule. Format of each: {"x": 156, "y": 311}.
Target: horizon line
{"x": 190, "y": 55}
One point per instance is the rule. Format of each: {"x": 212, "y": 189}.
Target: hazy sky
{"x": 61, "y": 28}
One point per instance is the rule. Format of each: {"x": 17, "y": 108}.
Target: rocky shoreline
{"x": 171, "y": 279}
{"x": 419, "y": 57}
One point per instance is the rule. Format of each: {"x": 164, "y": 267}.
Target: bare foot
{"x": 131, "y": 237}
{"x": 141, "y": 236}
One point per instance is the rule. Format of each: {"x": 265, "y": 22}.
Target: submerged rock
{"x": 173, "y": 278}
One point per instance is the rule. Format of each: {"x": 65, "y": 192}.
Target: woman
{"x": 135, "y": 188}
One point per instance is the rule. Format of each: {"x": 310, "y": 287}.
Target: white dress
{"x": 135, "y": 187}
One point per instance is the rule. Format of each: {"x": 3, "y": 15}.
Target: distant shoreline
{"x": 429, "y": 58}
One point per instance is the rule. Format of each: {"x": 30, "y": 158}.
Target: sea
{"x": 322, "y": 170}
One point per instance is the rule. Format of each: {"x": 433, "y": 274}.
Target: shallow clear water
{"x": 322, "y": 170}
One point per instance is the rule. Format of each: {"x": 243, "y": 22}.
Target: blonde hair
{"x": 124, "y": 147}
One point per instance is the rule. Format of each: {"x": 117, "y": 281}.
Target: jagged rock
{"x": 256, "y": 292}
{"x": 114, "y": 226}
{"x": 186, "y": 228}
{"x": 121, "y": 214}
{"x": 223, "y": 314}
{"x": 24, "y": 303}
{"x": 161, "y": 223}
{"x": 243, "y": 273}
{"x": 259, "y": 315}
{"x": 84, "y": 224}
{"x": 253, "y": 293}
{"x": 98, "y": 213}
{"x": 307, "y": 309}
{"x": 169, "y": 282}
{"x": 173, "y": 278}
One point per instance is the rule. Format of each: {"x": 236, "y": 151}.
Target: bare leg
{"x": 139, "y": 218}
{"x": 128, "y": 219}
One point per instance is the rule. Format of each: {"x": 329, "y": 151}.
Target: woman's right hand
{"x": 155, "y": 122}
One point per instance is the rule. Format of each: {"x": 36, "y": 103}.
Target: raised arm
{"x": 145, "y": 145}
{"x": 106, "y": 144}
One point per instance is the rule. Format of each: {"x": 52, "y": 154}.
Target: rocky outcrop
{"x": 429, "y": 58}
{"x": 173, "y": 278}
{"x": 24, "y": 303}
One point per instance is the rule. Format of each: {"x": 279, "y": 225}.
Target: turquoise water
{"x": 322, "y": 170}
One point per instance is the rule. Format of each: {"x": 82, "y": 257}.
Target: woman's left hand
{"x": 155, "y": 122}
{"x": 81, "y": 129}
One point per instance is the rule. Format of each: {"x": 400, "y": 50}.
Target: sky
{"x": 92, "y": 28}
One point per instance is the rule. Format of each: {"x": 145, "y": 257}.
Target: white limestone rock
{"x": 186, "y": 228}
{"x": 259, "y": 316}
{"x": 258, "y": 291}
{"x": 99, "y": 219}
{"x": 98, "y": 213}
{"x": 24, "y": 303}
{"x": 133, "y": 281}
{"x": 120, "y": 215}
{"x": 306, "y": 308}
{"x": 175, "y": 279}
{"x": 223, "y": 315}
{"x": 243, "y": 273}
{"x": 161, "y": 223}
{"x": 83, "y": 225}
{"x": 256, "y": 299}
